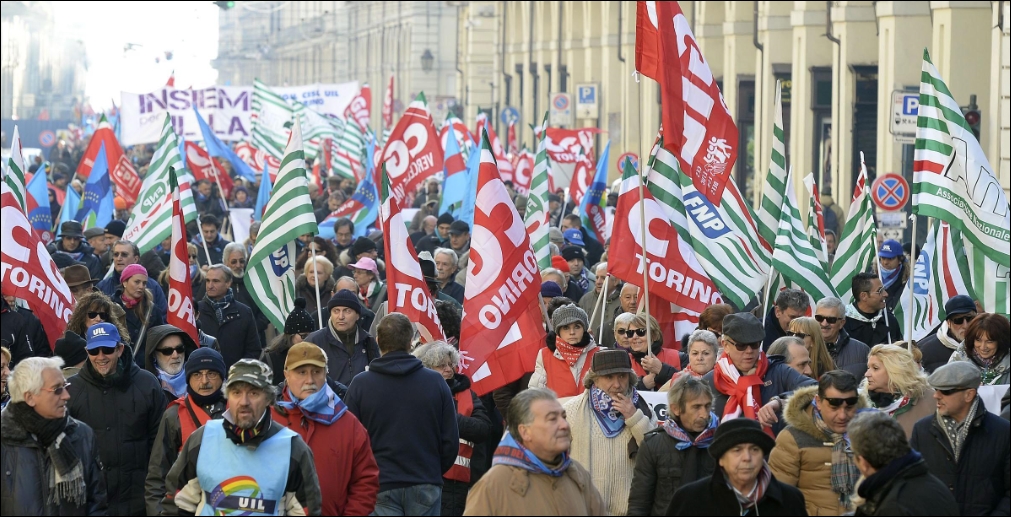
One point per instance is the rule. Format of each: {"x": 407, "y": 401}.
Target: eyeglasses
{"x": 98, "y": 314}
{"x": 832, "y": 320}
{"x": 743, "y": 346}
{"x": 107, "y": 350}
{"x": 948, "y": 393}
{"x": 193, "y": 257}
{"x": 959, "y": 320}
{"x": 800, "y": 335}
{"x": 237, "y": 261}
{"x": 837, "y": 403}
{"x": 635, "y": 332}
{"x": 207, "y": 374}
{"x": 124, "y": 254}
{"x": 181, "y": 350}
{"x": 57, "y": 390}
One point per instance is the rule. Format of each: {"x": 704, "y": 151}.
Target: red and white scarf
{"x": 744, "y": 390}
{"x": 570, "y": 353}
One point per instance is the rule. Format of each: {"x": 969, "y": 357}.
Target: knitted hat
{"x": 131, "y": 270}
{"x": 115, "y": 227}
{"x": 550, "y": 289}
{"x": 446, "y": 218}
{"x": 344, "y": 298}
{"x": 206, "y": 359}
{"x": 299, "y": 320}
{"x": 572, "y": 253}
{"x": 558, "y": 262}
{"x": 567, "y": 314}
{"x": 556, "y": 236}
{"x": 362, "y": 245}
{"x": 737, "y": 431}
{"x": 71, "y": 348}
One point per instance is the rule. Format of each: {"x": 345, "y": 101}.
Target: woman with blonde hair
{"x": 896, "y": 385}
{"x": 809, "y": 330}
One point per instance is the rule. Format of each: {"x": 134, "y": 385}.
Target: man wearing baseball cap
{"x": 203, "y": 401}
{"x": 309, "y": 406}
{"x": 894, "y": 270}
{"x": 937, "y": 348}
{"x": 245, "y": 462}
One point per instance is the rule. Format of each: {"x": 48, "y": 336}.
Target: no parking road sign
{"x": 560, "y": 109}
{"x": 890, "y": 192}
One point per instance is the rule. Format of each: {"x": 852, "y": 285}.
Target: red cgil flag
{"x": 388, "y": 106}
{"x": 502, "y": 329}
{"x": 523, "y": 171}
{"x": 647, "y": 40}
{"x": 204, "y": 167}
{"x": 582, "y": 178}
{"x": 360, "y": 107}
{"x": 180, "y": 293}
{"x": 29, "y": 272}
{"x": 121, "y": 171}
{"x": 413, "y": 153}
{"x": 505, "y": 168}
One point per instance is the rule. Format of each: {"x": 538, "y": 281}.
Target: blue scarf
{"x": 610, "y": 420}
{"x": 702, "y": 441}
{"x": 175, "y": 384}
{"x": 511, "y": 453}
{"x": 324, "y": 406}
{"x": 219, "y": 306}
{"x": 890, "y": 276}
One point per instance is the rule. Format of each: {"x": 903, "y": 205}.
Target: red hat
{"x": 558, "y": 262}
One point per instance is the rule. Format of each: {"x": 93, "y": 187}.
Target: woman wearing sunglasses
{"x": 94, "y": 308}
{"x": 896, "y": 385}
{"x": 809, "y": 330}
{"x": 986, "y": 346}
{"x": 653, "y": 370}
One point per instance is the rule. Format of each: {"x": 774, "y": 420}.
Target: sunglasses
{"x": 107, "y": 350}
{"x": 959, "y": 320}
{"x": 743, "y": 346}
{"x": 58, "y": 390}
{"x": 832, "y": 320}
{"x": 948, "y": 393}
{"x": 181, "y": 350}
{"x": 124, "y": 254}
{"x": 800, "y": 335}
{"x": 837, "y": 403}
{"x": 97, "y": 314}
{"x": 193, "y": 257}
{"x": 637, "y": 332}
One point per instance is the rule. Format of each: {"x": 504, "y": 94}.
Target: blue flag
{"x": 454, "y": 188}
{"x": 70, "y": 205}
{"x": 466, "y": 211}
{"x": 264, "y": 194}
{"x": 97, "y": 206}
{"x": 37, "y": 201}
{"x": 595, "y": 197}
{"x": 217, "y": 148}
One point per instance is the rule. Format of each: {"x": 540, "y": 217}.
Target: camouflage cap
{"x": 252, "y": 372}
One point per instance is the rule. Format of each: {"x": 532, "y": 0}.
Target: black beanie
{"x": 300, "y": 321}
{"x": 71, "y": 348}
{"x": 445, "y": 218}
{"x": 362, "y": 245}
{"x": 344, "y": 298}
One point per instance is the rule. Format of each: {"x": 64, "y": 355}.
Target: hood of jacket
{"x": 397, "y": 364}
{"x": 798, "y": 411}
{"x": 154, "y": 337}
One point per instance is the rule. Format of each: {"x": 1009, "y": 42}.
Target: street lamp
{"x": 427, "y": 59}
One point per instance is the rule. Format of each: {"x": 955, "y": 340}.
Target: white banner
{"x": 226, "y": 109}
{"x": 241, "y": 219}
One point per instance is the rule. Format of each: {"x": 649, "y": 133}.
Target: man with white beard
{"x": 168, "y": 347}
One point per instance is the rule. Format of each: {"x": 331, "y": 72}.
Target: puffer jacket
{"x": 124, "y": 413}
{"x": 540, "y": 377}
{"x": 660, "y": 469}
{"x": 25, "y": 488}
{"x": 803, "y": 455}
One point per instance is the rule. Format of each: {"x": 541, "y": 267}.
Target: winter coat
{"x": 398, "y": 390}
{"x": 125, "y": 414}
{"x": 302, "y": 482}
{"x": 454, "y": 291}
{"x": 304, "y": 290}
{"x": 981, "y": 478}
{"x": 475, "y": 429}
{"x": 612, "y": 308}
{"x": 772, "y": 329}
{"x": 660, "y": 469}
{"x": 25, "y": 488}
{"x": 911, "y": 491}
{"x": 347, "y": 471}
{"x": 610, "y": 461}
{"x": 216, "y": 249}
{"x": 345, "y": 364}
{"x": 110, "y": 285}
{"x": 713, "y": 496}
{"x": 134, "y": 324}
{"x": 166, "y": 449}
{"x": 507, "y": 490}
{"x": 670, "y": 358}
{"x": 874, "y": 333}
{"x": 780, "y": 380}
{"x": 937, "y": 351}
{"x": 236, "y": 332}
{"x": 850, "y": 354}
{"x": 155, "y": 335}
{"x": 803, "y": 455}
{"x": 919, "y": 407}
{"x": 1000, "y": 373}
{"x": 431, "y": 242}
{"x": 541, "y": 370}
{"x": 243, "y": 296}
{"x": 24, "y": 332}
{"x": 88, "y": 258}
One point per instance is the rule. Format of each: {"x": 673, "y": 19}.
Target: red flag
{"x": 463, "y": 136}
{"x": 204, "y": 167}
{"x": 502, "y": 329}
{"x": 567, "y": 145}
{"x": 582, "y": 178}
{"x": 412, "y": 154}
{"x": 700, "y": 130}
{"x": 256, "y": 158}
{"x": 180, "y": 293}
{"x": 674, "y": 321}
{"x": 511, "y": 145}
{"x": 523, "y": 169}
{"x": 388, "y": 106}
{"x": 121, "y": 171}
{"x": 171, "y": 83}
{"x": 408, "y": 291}
{"x": 647, "y": 40}
{"x": 360, "y": 106}
{"x": 505, "y": 168}
{"x": 29, "y": 272}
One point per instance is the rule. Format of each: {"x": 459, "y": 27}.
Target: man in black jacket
{"x": 23, "y": 330}
{"x": 896, "y": 479}
{"x": 397, "y": 389}
{"x": 847, "y": 353}
{"x": 348, "y": 347}
{"x": 230, "y": 321}
{"x": 210, "y": 232}
{"x": 868, "y": 319}
{"x": 966, "y": 447}
{"x": 124, "y": 405}
{"x": 938, "y": 347}
{"x": 790, "y": 305}
{"x": 71, "y": 241}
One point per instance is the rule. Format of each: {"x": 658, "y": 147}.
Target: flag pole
{"x": 912, "y": 253}
{"x": 315, "y": 272}
{"x": 642, "y": 217}
{"x": 203, "y": 241}
{"x": 768, "y": 291}
{"x": 603, "y": 307}
{"x": 598, "y": 306}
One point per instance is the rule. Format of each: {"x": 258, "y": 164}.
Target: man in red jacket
{"x": 307, "y": 405}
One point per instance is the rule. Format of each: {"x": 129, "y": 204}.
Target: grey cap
{"x": 94, "y": 232}
{"x": 743, "y": 327}
{"x": 568, "y": 314}
{"x": 959, "y": 375}
{"x": 554, "y": 234}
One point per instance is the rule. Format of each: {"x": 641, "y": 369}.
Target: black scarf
{"x": 880, "y": 399}
{"x": 219, "y": 306}
{"x": 203, "y": 401}
{"x": 240, "y": 436}
{"x": 65, "y": 472}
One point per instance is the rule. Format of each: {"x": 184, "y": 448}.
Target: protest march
{"x": 249, "y": 300}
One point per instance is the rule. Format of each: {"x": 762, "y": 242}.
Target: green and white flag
{"x": 271, "y": 275}
{"x": 816, "y": 221}
{"x": 855, "y": 252}
{"x": 151, "y": 219}
{"x": 991, "y": 281}
{"x": 952, "y": 178}
{"x": 774, "y": 188}
{"x": 15, "y": 173}
{"x": 537, "y": 216}
{"x": 271, "y": 116}
{"x": 793, "y": 255}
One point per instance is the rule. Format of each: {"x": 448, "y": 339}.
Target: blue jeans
{"x": 424, "y": 500}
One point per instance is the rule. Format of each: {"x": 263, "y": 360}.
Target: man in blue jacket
{"x": 409, "y": 413}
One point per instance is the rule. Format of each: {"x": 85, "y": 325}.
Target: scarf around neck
{"x": 129, "y": 302}
{"x": 844, "y": 468}
{"x": 744, "y": 391}
{"x": 174, "y": 384}
{"x": 219, "y": 306}
{"x": 957, "y": 432}
{"x": 944, "y": 338}
{"x": 610, "y": 420}
{"x": 570, "y": 353}
{"x": 240, "y": 436}
{"x": 324, "y": 406}
{"x": 509, "y": 452}
{"x": 748, "y": 501}
{"x": 853, "y": 312}
{"x": 65, "y": 471}
{"x": 364, "y": 293}
{"x": 890, "y": 276}
{"x": 702, "y": 441}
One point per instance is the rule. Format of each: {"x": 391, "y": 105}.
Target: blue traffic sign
{"x": 509, "y": 114}
{"x": 587, "y": 94}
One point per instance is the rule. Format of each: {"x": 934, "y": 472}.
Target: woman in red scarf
{"x": 138, "y": 303}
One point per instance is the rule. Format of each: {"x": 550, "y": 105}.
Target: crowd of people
{"x": 799, "y": 408}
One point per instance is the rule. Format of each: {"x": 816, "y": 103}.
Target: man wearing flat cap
{"x": 745, "y": 381}
{"x": 743, "y": 484}
{"x": 95, "y": 237}
{"x": 609, "y": 420}
{"x": 966, "y": 447}
{"x": 937, "y": 348}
